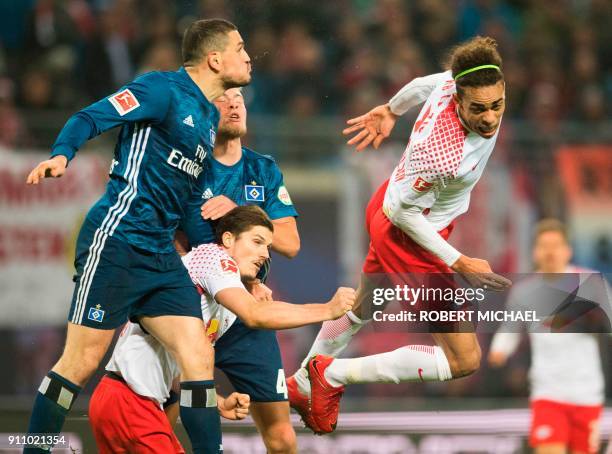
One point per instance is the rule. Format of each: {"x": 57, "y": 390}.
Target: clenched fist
{"x": 54, "y": 167}
{"x": 342, "y": 302}
{"x": 235, "y": 406}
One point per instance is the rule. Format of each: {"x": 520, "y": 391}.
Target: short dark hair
{"x": 204, "y": 36}
{"x": 242, "y": 219}
{"x": 477, "y": 51}
{"x": 550, "y": 225}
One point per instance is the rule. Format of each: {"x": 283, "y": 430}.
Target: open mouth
{"x": 234, "y": 117}
{"x": 487, "y": 131}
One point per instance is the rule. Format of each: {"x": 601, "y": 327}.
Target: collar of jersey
{"x": 225, "y": 167}
{"x": 194, "y": 87}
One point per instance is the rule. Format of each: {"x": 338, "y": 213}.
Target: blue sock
{"x": 53, "y": 402}
{"x": 200, "y": 417}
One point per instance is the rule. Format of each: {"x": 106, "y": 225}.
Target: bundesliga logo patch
{"x": 124, "y": 102}
{"x": 96, "y": 314}
{"x": 253, "y": 193}
{"x": 420, "y": 185}
{"x": 229, "y": 266}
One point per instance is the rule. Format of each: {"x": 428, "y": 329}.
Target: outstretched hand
{"x": 371, "y": 128}
{"x": 54, "y": 167}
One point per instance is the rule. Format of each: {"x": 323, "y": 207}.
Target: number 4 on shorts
{"x": 281, "y": 385}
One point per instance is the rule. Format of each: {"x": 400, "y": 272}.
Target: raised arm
{"x": 145, "y": 99}
{"x": 416, "y": 92}
{"x": 377, "y": 124}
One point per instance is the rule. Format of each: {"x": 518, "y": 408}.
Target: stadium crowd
{"x": 339, "y": 58}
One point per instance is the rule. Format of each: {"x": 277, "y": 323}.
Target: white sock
{"x": 332, "y": 339}
{"x": 410, "y": 363}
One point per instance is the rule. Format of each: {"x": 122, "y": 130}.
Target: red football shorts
{"x": 124, "y": 422}
{"x": 391, "y": 251}
{"x": 576, "y": 426}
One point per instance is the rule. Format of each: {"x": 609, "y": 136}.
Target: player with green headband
{"x": 409, "y": 220}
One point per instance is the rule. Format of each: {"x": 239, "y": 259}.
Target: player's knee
{"x": 281, "y": 439}
{"x": 78, "y": 367}
{"x": 466, "y": 363}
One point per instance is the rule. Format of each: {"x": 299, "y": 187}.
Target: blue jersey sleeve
{"x": 147, "y": 98}
{"x": 278, "y": 203}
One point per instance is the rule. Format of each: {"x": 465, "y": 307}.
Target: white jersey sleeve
{"x": 415, "y": 92}
{"x": 211, "y": 269}
{"x": 411, "y": 221}
{"x": 505, "y": 343}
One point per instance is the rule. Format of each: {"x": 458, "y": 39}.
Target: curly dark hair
{"x": 477, "y": 51}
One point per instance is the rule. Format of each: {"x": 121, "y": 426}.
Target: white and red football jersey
{"x": 142, "y": 361}
{"x": 211, "y": 269}
{"x": 443, "y": 159}
{"x": 565, "y": 367}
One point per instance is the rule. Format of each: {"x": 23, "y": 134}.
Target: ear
{"x": 456, "y": 98}
{"x": 228, "y": 239}
{"x": 214, "y": 61}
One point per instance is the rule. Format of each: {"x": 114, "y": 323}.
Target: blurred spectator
{"x": 162, "y": 56}
{"x": 108, "y": 59}
{"x": 12, "y": 128}
{"x": 37, "y": 89}
{"x": 335, "y": 50}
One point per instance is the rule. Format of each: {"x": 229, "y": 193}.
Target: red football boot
{"x": 324, "y": 398}
{"x": 300, "y": 403}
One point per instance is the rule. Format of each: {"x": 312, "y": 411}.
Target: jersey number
{"x": 423, "y": 121}
{"x": 281, "y": 385}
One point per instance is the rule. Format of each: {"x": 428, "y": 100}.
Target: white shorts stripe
{"x": 83, "y": 282}
{"x": 87, "y": 285}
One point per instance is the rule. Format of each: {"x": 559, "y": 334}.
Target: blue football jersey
{"x": 167, "y": 129}
{"x": 254, "y": 180}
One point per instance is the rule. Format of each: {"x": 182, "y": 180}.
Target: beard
{"x": 230, "y": 132}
